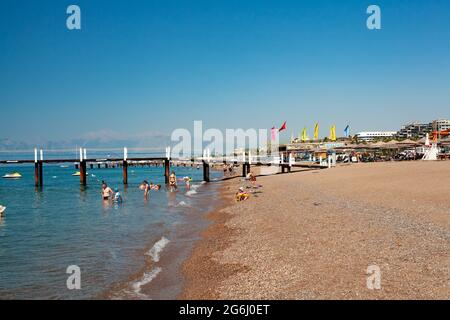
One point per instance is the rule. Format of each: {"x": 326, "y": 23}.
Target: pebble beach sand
{"x": 313, "y": 235}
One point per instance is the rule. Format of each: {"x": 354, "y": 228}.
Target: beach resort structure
{"x": 375, "y": 135}
{"x": 441, "y": 125}
{"x": 417, "y": 130}
{"x": 414, "y": 130}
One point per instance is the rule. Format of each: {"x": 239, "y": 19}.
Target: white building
{"x": 441, "y": 125}
{"x": 375, "y": 135}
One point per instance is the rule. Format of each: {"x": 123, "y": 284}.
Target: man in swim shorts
{"x": 106, "y": 192}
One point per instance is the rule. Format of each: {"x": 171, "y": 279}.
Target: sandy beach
{"x": 313, "y": 234}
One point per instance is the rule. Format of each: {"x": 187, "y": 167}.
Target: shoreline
{"x": 316, "y": 239}
{"x": 215, "y": 237}
{"x": 161, "y": 278}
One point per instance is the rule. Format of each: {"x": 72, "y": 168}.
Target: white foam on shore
{"x": 182, "y": 204}
{"x": 191, "y": 193}
{"x": 157, "y": 248}
{"x": 146, "y": 279}
{"x": 193, "y": 190}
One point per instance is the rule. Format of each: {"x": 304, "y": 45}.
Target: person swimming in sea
{"x": 155, "y": 187}
{"x": 107, "y": 192}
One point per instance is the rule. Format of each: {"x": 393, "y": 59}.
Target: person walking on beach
{"x": 173, "y": 181}
{"x": 107, "y": 192}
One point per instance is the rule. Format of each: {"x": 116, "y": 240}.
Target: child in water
{"x": 155, "y": 187}
{"x": 187, "y": 180}
{"x": 117, "y": 196}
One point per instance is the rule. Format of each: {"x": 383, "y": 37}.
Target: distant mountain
{"x": 94, "y": 140}
{"x": 8, "y": 144}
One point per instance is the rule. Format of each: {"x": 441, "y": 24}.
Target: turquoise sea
{"x": 119, "y": 248}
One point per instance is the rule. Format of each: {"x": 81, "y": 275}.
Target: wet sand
{"x": 313, "y": 234}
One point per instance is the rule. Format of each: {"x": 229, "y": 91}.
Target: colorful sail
{"x": 347, "y": 131}
{"x": 316, "y": 131}
{"x": 332, "y": 135}
{"x": 305, "y": 135}
{"x": 273, "y": 133}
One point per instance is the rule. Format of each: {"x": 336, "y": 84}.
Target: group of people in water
{"x": 109, "y": 194}
{"x": 146, "y": 187}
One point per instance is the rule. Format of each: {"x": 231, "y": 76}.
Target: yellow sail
{"x": 331, "y": 136}
{"x": 305, "y": 135}
{"x": 316, "y": 131}
{"x": 333, "y": 133}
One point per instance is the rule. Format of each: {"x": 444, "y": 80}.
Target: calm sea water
{"x": 45, "y": 231}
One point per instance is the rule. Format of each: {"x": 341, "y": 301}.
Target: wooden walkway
{"x": 125, "y": 162}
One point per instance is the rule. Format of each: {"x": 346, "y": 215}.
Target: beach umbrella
{"x": 427, "y": 140}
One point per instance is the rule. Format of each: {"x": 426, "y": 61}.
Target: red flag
{"x": 283, "y": 127}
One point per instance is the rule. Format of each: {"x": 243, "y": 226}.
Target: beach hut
{"x": 408, "y": 142}
{"x": 377, "y": 145}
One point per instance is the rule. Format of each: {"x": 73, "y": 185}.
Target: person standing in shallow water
{"x": 107, "y": 192}
{"x": 145, "y": 186}
{"x": 117, "y": 196}
{"x": 173, "y": 181}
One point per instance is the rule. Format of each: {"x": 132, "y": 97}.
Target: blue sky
{"x": 153, "y": 66}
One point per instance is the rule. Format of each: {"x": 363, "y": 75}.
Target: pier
{"x": 81, "y": 164}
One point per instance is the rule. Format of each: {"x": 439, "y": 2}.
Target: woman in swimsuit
{"x": 145, "y": 186}
{"x": 173, "y": 181}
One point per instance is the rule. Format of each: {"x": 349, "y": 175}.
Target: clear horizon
{"x": 148, "y": 67}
